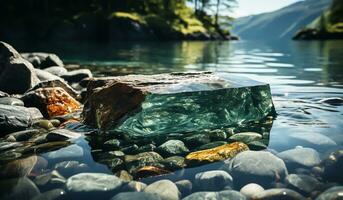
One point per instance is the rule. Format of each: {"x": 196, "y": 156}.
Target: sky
{"x": 251, "y": 7}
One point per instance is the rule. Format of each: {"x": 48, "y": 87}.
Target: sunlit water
{"x": 301, "y": 75}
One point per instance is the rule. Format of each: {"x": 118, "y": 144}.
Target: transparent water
{"x": 301, "y": 74}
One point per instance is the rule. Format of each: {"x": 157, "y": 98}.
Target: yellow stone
{"x": 215, "y": 154}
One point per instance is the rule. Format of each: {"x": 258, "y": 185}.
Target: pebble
{"x": 245, "y": 137}
{"x": 311, "y": 139}
{"x": 44, "y": 123}
{"x": 214, "y": 180}
{"x": 22, "y": 135}
{"x": 251, "y": 189}
{"x": 70, "y": 152}
{"x": 211, "y": 145}
{"x": 261, "y": 167}
{"x": 174, "y": 162}
{"x": 134, "y": 186}
{"x": 185, "y": 187}
{"x": 51, "y": 195}
{"x": 223, "y": 195}
{"x": 333, "y": 193}
{"x": 166, "y": 189}
{"x": 333, "y": 165}
{"x": 135, "y": 195}
{"x": 11, "y": 101}
{"x": 172, "y": 148}
{"x": 304, "y": 184}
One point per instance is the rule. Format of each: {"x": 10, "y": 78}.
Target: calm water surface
{"x": 302, "y": 76}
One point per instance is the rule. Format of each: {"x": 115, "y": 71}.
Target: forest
{"x": 115, "y": 19}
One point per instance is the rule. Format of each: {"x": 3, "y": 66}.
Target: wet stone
{"x": 114, "y": 164}
{"x": 174, "y": 162}
{"x": 22, "y": 188}
{"x": 304, "y": 184}
{"x": 112, "y": 144}
{"x": 136, "y": 195}
{"x": 223, "y": 195}
{"x": 216, "y": 154}
{"x": 300, "y": 157}
{"x": 68, "y": 168}
{"x": 11, "y": 101}
{"x": 62, "y": 134}
{"x": 48, "y": 178}
{"x": 196, "y": 140}
{"x": 174, "y": 103}
{"x": 217, "y": 135}
{"x": 251, "y": 189}
{"x": 124, "y": 176}
{"x": 42, "y": 60}
{"x": 76, "y": 76}
{"x": 130, "y": 149}
{"x": 214, "y": 180}
{"x": 278, "y": 194}
{"x": 257, "y": 145}
{"x": 265, "y": 169}
{"x": 23, "y": 135}
{"x": 134, "y": 186}
{"x": 134, "y": 162}
{"x": 51, "y": 195}
{"x": 70, "y": 152}
{"x": 14, "y": 118}
{"x": 46, "y": 124}
{"x": 333, "y": 165}
{"x": 311, "y": 139}
{"x": 56, "y": 70}
{"x": 51, "y": 101}
{"x": 211, "y": 145}
{"x": 333, "y": 193}
{"x": 166, "y": 189}
{"x": 145, "y": 148}
{"x": 172, "y": 148}
{"x": 185, "y": 187}
{"x": 18, "y": 168}
{"x": 245, "y": 137}
{"x": 88, "y": 185}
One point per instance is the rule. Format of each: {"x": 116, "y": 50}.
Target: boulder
{"x": 260, "y": 167}
{"x": 223, "y": 152}
{"x": 51, "y": 101}
{"x": 149, "y": 105}
{"x": 16, "y": 74}
{"x": 42, "y": 60}
{"x": 14, "y": 118}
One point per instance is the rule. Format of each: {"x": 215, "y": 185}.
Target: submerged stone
{"x": 146, "y": 105}
{"x": 216, "y": 154}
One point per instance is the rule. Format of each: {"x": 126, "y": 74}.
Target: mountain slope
{"x": 280, "y": 24}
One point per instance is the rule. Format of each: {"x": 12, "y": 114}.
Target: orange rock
{"x": 215, "y": 154}
{"x": 148, "y": 171}
{"x": 51, "y": 101}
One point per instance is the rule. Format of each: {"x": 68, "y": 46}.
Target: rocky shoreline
{"x": 41, "y": 153}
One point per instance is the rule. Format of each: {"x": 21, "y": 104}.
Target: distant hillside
{"x": 329, "y": 25}
{"x": 280, "y": 24}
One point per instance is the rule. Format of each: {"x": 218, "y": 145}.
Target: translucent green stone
{"x": 193, "y": 103}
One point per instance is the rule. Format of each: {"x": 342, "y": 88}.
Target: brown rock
{"x": 216, "y": 154}
{"x": 51, "y": 101}
{"x": 18, "y": 168}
